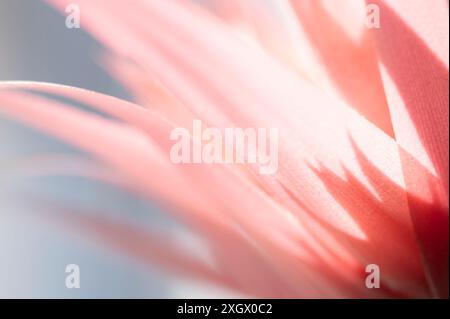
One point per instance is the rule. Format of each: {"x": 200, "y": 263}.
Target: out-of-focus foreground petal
{"x": 268, "y": 225}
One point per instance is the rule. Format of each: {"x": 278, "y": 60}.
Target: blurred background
{"x": 35, "y": 45}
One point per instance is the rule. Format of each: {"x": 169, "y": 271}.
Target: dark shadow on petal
{"x": 390, "y": 236}
{"x": 431, "y": 223}
{"x": 423, "y": 82}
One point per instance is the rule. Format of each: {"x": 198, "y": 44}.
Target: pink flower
{"x": 363, "y": 148}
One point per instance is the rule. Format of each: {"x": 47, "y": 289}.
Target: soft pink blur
{"x": 363, "y": 152}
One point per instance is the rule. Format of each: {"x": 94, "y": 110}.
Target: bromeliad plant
{"x": 362, "y": 116}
